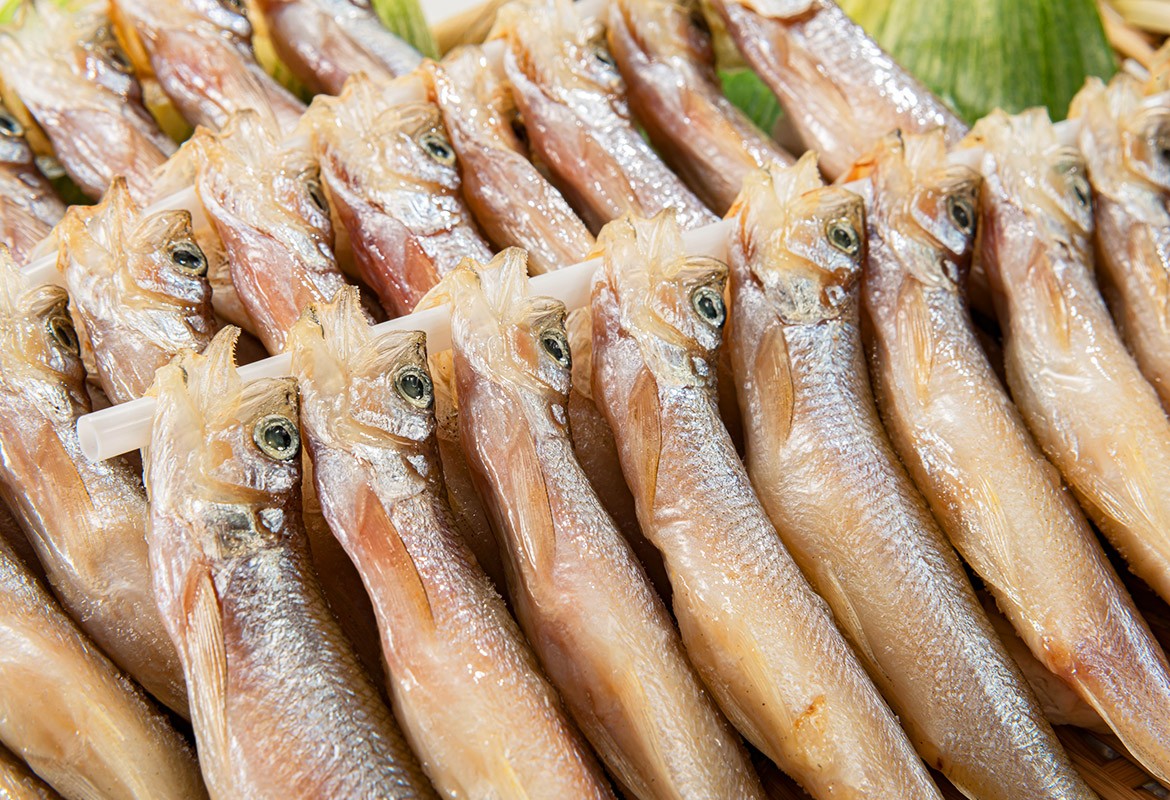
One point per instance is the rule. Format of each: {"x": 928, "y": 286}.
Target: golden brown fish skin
{"x": 72, "y": 76}
{"x": 137, "y": 286}
{"x": 997, "y": 498}
{"x": 29, "y": 208}
{"x": 275, "y": 688}
{"x": 845, "y": 507}
{"x": 200, "y": 51}
{"x": 841, "y": 90}
{"x": 668, "y": 67}
{"x": 392, "y": 177}
{"x": 1123, "y": 134}
{"x": 18, "y": 782}
{"x": 484, "y": 721}
{"x": 84, "y": 519}
{"x": 600, "y": 631}
{"x": 324, "y": 42}
{"x": 513, "y": 202}
{"x": 68, "y": 712}
{"x": 572, "y": 99}
{"x": 765, "y": 644}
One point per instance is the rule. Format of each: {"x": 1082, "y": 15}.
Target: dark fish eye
{"x": 438, "y": 148}
{"x": 118, "y": 59}
{"x": 843, "y": 236}
{"x": 556, "y": 345}
{"x": 317, "y": 194}
{"x": 1080, "y": 187}
{"x": 277, "y": 437}
{"x": 415, "y": 387}
{"x": 708, "y": 304}
{"x": 10, "y": 126}
{"x": 962, "y": 213}
{"x": 188, "y": 258}
{"x": 604, "y": 58}
{"x": 60, "y": 327}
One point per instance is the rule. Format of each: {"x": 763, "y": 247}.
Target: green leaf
{"x": 745, "y": 89}
{"x": 405, "y": 18}
{"x": 978, "y": 56}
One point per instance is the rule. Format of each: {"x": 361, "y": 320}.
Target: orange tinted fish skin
{"x": 279, "y": 703}
{"x": 72, "y": 76}
{"x": 392, "y": 177}
{"x": 764, "y": 643}
{"x": 325, "y": 41}
{"x": 471, "y": 698}
{"x": 200, "y": 51}
{"x": 839, "y": 88}
{"x": 572, "y": 99}
{"x": 18, "y": 782}
{"x": 998, "y": 499}
{"x": 845, "y": 507}
{"x": 29, "y": 208}
{"x": 68, "y": 712}
{"x": 668, "y": 67}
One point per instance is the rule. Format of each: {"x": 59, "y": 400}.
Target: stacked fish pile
{"x": 572, "y": 552}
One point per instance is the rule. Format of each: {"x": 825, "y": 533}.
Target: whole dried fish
{"x": 275, "y": 688}
{"x": 29, "y": 208}
{"x": 465, "y": 685}
{"x": 765, "y": 644}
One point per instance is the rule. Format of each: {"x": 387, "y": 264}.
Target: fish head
{"x": 1124, "y": 134}
{"x": 803, "y": 241}
{"x": 107, "y": 65}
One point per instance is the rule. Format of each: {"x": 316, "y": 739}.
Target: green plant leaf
{"x": 745, "y": 89}
{"x": 405, "y": 18}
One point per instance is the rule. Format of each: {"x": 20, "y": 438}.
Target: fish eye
{"x": 189, "y": 259}
{"x": 962, "y": 213}
{"x": 438, "y": 148}
{"x": 604, "y": 58}
{"x": 1081, "y": 189}
{"x": 118, "y": 59}
{"x": 61, "y": 329}
{"x": 10, "y": 126}
{"x": 556, "y": 345}
{"x": 317, "y": 194}
{"x": 415, "y": 387}
{"x": 843, "y": 236}
{"x": 277, "y": 437}
{"x": 708, "y": 304}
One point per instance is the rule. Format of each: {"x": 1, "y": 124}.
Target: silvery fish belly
{"x": 85, "y": 519}
{"x": 600, "y": 631}
{"x": 763, "y": 642}
{"x": 571, "y": 96}
{"x": 392, "y": 178}
{"x": 73, "y": 77}
{"x": 325, "y": 41}
{"x": 668, "y": 67}
{"x": 483, "y": 720}
{"x": 200, "y": 52}
{"x": 29, "y": 208}
{"x": 1077, "y": 388}
{"x": 279, "y": 703}
{"x": 71, "y": 714}
{"x": 839, "y": 88}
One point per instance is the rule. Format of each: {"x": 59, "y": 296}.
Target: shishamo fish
{"x": 392, "y": 178}
{"x": 668, "y": 67}
{"x": 85, "y": 519}
{"x": 70, "y": 73}
{"x": 71, "y": 714}
{"x": 466, "y": 687}
{"x": 325, "y": 41}
{"x": 29, "y": 208}
{"x": 1124, "y": 136}
{"x": 840, "y": 89}
{"x": 601, "y": 633}
{"x": 765, "y": 644}
{"x": 137, "y": 286}
{"x": 280, "y": 705}
{"x": 571, "y": 96}
{"x": 200, "y": 52}
{"x": 18, "y": 782}
{"x": 998, "y": 499}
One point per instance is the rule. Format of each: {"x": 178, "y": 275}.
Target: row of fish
{"x": 291, "y": 543}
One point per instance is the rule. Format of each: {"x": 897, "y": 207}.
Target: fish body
{"x": 668, "y": 67}
{"x": 841, "y": 90}
{"x": 85, "y": 519}
{"x": 70, "y": 73}
{"x": 29, "y": 208}
{"x": 603, "y": 636}
{"x": 325, "y": 41}
{"x": 18, "y": 782}
{"x": 465, "y": 685}
{"x": 764, "y": 643}
{"x": 572, "y": 99}
{"x": 200, "y": 52}
{"x": 279, "y": 702}
{"x": 392, "y": 178}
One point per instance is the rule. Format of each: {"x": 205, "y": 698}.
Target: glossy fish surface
{"x": 279, "y": 702}
{"x": 18, "y": 782}
{"x": 571, "y": 96}
{"x": 29, "y": 208}
{"x": 603, "y": 636}
{"x": 467, "y": 689}
{"x": 763, "y": 642}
